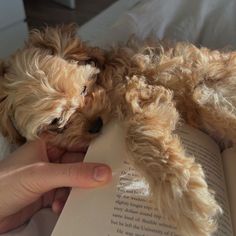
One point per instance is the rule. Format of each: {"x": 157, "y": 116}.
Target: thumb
{"x": 44, "y": 177}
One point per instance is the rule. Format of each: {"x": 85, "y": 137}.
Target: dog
{"x": 59, "y": 87}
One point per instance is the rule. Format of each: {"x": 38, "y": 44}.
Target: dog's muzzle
{"x": 96, "y": 126}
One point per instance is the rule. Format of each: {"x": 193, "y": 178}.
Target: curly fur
{"x": 149, "y": 86}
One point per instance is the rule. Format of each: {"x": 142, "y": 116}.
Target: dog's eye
{"x": 55, "y": 121}
{"x": 55, "y": 126}
{"x": 84, "y": 91}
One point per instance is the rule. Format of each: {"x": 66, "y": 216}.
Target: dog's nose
{"x": 96, "y": 126}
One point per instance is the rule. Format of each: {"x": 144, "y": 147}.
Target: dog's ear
{"x": 6, "y": 126}
{"x": 64, "y": 42}
{"x": 57, "y": 40}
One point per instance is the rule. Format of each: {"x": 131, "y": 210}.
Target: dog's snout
{"x": 96, "y": 126}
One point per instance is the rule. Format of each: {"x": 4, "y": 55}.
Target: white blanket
{"x": 207, "y": 22}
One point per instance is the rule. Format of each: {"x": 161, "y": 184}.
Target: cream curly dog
{"x": 59, "y": 87}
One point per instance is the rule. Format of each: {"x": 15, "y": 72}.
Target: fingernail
{"x": 101, "y": 173}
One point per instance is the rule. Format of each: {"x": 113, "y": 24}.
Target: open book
{"x": 122, "y": 208}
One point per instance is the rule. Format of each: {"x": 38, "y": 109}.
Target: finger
{"x": 27, "y": 154}
{"x": 48, "y": 198}
{"x": 59, "y": 200}
{"x": 43, "y": 177}
{"x": 15, "y": 220}
{"x": 72, "y": 157}
{"x": 33, "y": 150}
{"x": 54, "y": 153}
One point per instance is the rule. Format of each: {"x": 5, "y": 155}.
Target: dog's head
{"x": 49, "y": 88}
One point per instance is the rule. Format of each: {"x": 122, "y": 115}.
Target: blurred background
{"x": 17, "y": 17}
{"x": 50, "y": 12}
{"x": 209, "y": 23}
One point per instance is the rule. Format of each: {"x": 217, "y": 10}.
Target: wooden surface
{"x": 45, "y": 12}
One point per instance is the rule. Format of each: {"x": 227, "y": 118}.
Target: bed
{"x": 209, "y": 23}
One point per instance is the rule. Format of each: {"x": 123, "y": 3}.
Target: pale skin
{"x": 36, "y": 176}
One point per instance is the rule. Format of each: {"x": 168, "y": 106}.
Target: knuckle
{"x": 36, "y": 168}
{"x": 32, "y": 177}
{"x": 74, "y": 172}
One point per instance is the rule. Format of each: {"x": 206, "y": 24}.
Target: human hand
{"x": 30, "y": 181}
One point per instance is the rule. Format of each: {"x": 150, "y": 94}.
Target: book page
{"x": 122, "y": 208}
{"x": 229, "y": 161}
{"x": 207, "y": 153}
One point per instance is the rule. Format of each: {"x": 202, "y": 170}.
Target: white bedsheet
{"x": 207, "y": 22}
{"x": 211, "y": 23}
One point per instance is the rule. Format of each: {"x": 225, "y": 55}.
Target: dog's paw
{"x": 149, "y": 104}
{"x": 143, "y": 97}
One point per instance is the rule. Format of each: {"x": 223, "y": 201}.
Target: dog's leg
{"x": 216, "y": 101}
{"x": 177, "y": 182}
